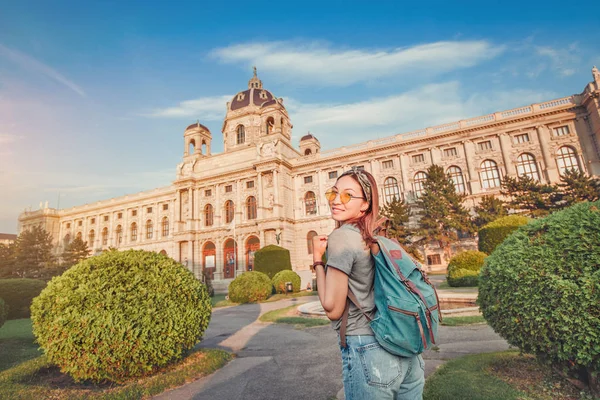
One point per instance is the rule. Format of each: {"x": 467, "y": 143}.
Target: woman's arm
{"x": 333, "y": 286}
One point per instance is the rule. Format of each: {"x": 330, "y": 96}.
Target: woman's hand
{"x": 319, "y": 247}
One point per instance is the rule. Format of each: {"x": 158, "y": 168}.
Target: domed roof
{"x": 255, "y": 95}
{"x": 197, "y": 124}
{"x": 307, "y": 137}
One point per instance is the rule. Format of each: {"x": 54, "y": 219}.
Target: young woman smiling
{"x": 368, "y": 371}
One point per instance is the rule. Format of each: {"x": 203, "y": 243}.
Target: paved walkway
{"x": 277, "y": 361}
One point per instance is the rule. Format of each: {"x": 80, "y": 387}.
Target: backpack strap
{"x": 344, "y": 324}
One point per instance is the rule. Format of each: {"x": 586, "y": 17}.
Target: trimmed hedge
{"x": 120, "y": 315}
{"x": 463, "y": 269}
{"x": 18, "y": 294}
{"x": 494, "y": 233}
{"x": 280, "y": 279}
{"x": 3, "y": 312}
{"x": 540, "y": 289}
{"x": 250, "y": 287}
{"x": 271, "y": 259}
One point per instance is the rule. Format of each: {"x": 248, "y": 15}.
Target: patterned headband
{"x": 362, "y": 180}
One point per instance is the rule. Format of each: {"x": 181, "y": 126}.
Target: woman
{"x": 368, "y": 371}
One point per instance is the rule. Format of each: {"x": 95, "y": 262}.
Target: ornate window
{"x": 149, "y": 229}
{"x": 67, "y": 239}
{"x": 78, "y": 236}
{"x": 388, "y": 164}
{"x": 485, "y": 145}
{"x": 561, "y": 131}
{"x": 333, "y": 175}
{"x": 434, "y": 259}
{"x": 119, "y": 234}
{"x": 489, "y": 174}
{"x": 450, "y": 152}
{"x": 458, "y": 179}
{"x": 390, "y": 189}
{"x": 419, "y": 183}
{"x": 307, "y": 152}
{"x": 104, "y": 236}
{"x": 310, "y": 203}
{"x": 308, "y": 179}
{"x": 526, "y": 166}
{"x": 91, "y": 237}
{"x": 251, "y": 207}
{"x": 309, "y": 241}
{"x": 566, "y": 158}
{"x": 269, "y": 125}
{"x": 208, "y": 215}
{"x": 249, "y": 184}
{"x": 229, "y": 210}
{"x": 133, "y": 232}
{"x": 521, "y": 138}
{"x": 165, "y": 227}
{"x": 418, "y": 158}
{"x": 241, "y": 134}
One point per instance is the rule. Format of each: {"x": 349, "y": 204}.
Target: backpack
{"x": 408, "y": 310}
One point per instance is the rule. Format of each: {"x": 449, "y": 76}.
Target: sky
{"x": 95, "y": 95}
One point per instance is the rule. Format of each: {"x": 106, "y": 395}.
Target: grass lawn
{"x": 467, "y": 320}
{"x": 498, "y": 376}
{"x": 289, "y": 315}
{"x": 218, "y": 300}
{"x": 16, "y": 343}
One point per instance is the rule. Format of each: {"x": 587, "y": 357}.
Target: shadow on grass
{"x": 17, "y": 343}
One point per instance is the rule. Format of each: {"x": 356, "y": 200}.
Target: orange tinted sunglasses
{"x": 345, "y": 197}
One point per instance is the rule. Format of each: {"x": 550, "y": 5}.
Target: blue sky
{"x": 94, "y": 96}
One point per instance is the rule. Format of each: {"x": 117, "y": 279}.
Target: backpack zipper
{"x": 417, "y": 317}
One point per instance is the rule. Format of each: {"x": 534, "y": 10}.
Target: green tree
{"x": 7, "y": 259}
{"x": 575, "y": 186}
{"x": 33, "y": 253}
{"x": 397, "y": 214}
{"x": 529, "y": 196}
{"x": 441, "y": 209}
{"x": 74, "y": 252}
{"x": 489, "y": 209}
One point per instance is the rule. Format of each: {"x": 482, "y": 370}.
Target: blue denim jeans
{"x": 370, "y": 372}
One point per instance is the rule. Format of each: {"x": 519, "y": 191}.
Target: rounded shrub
{"x": 463, "y": 269}
{"x": 250, "y": 287}
{"x": 282, "y": 277}
{"x": 18, "y": 294}
{"x": 3, "y": 312}
{"x": 494, "y": 233}
{"x": 120, "y": 315}
{"x": 271, "y": 259}
{"x": 540, "y": 289}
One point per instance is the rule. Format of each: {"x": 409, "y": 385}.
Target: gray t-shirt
{"x": 347, "y": 251}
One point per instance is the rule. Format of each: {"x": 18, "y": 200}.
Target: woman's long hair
{"x": 369, "y": 221}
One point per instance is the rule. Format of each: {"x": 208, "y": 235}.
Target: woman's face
{"x": 354, "y": 208}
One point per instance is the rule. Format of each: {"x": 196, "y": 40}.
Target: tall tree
{"x": 441, "y": 209}
{"x": 529, "y": 196}
{"x": 7, "y": 259}
{"x": 575, "y": 186}
{"x": 74, "y": 252}
{"x": 489, "y": 209}
{"x": 397, "y": 213}
{"x": 33, "y": 252}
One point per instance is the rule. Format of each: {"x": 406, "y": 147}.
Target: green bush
{"x": 120, "y": 315}
{"x": 3, "y": 312}
{"x": 494, "y": 233}
{"x": 272, "y": 259}
{"x": 280, "y": 279}
{"x": 250, "y": 287}
{"x": 18, "y": 294}
{"x": 463, "y": 269}
{"x": 540, "y": 289}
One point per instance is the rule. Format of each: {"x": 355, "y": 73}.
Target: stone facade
{"x": 262, "y": 190}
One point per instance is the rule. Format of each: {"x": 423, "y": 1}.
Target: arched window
{"x": 67, "y": 239}
{"x": 307, "y": 152}
{"x": 208, "y": 215}
{"x": 310, "y": 203}
{"x": 269, "y": 125}
{"x": 566, "y": 158}
{"x": 309, "y": 241}
{"x": 252, "y": 246}
{"x": 91, "y": 237}
{"x": 104, "y": 236}
{"x": 489, "y": 174}
{"x": 209, "y": 252}
{"x": 457, "y": 177}
{"x": 390, "y": 189}
{"x": 133, "y": 232}
{"x": 203, "y": 148}
{"x": 526, "y": 166}
{"x": 149, "y": 229}
{"x": 119, "y": 234}
{"x": 419, "y": 182}
{"x": 241, "y": 134}
{"x": 251, "y": 207}
{"x": 229, "y": 211}
{"x": 192, "y": 147}
{"x": 165, "y": 227}
{"x": 163, "y": 252}
{"x": 78, "y": 236}
{"x": 229, "y": 258}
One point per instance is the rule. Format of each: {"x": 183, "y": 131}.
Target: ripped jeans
{"x": 370, "y": 372}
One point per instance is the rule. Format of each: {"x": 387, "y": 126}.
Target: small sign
{"x": 397, "y": 254}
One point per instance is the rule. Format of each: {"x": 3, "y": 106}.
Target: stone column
{"x": 321, "y": 193}
{"x": 260, "y": 201}
{"x": 190, "y": 257}
{"x": 543, "y": 134}
{"x": 436, "y": 155}
{"x": 469, "y": 148}
{"x": 404, "y": 174}
{"x": 276, "y": 203}
{"x": 218, "y": 259}
{"x": 217, "y": 207}
{"x": 505, "y": 145}
{"x": 589, "y": 146}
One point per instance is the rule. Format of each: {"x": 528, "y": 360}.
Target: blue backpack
{"x": 408, "y": 310}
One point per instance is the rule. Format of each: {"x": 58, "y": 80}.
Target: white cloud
{"x": 204, "y": 108}
{"x": 563, "y": 61}
{"x": 34, "y": 65}
{"x": 6, "y": 138}
{"x": 318, "y": 63}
